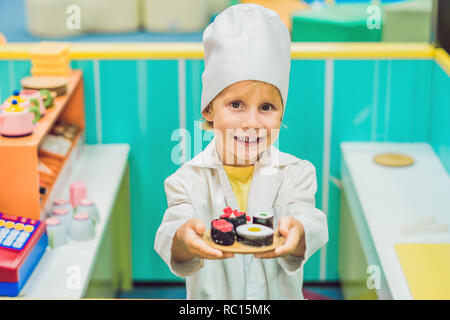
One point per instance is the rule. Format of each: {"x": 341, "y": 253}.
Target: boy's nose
{"x": 251, "y": 120}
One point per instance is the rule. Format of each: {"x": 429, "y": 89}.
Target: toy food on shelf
{"x": 17, "y": 120}
{"x": 57, "y": 146}
{"x": 47, "y": 97}
{"x": 27, "y": 99}
{"x": 32, "y": 96}
{"x": 50, "y": 59}
{"x": 68, "y": 131}
{"x": 58, "y": 142}
{"x": 56, "y": 85}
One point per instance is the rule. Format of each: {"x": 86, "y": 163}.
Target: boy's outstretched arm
{"x": 178, "y": 238}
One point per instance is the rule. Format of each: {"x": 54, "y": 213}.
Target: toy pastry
{"x": 236, "y": 217}
{"x": 254, "y": 235}
{"x": 222, "y": 232}
{"x": 264, "y": 218}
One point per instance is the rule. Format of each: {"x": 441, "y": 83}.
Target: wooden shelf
{"x": 19, "y": 175}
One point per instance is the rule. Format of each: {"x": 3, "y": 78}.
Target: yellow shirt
{"x": 240, "y": 180}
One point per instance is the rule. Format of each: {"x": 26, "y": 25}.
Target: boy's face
{"x": 246, "y": 109}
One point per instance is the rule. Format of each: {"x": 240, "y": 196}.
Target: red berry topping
{"x": 227, "y": 210}
{"x": 226, "y": 215}
{"x": 248, "y": 218}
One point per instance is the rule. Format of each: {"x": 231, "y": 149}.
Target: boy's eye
{"x": 235, "y": 104}
{"x": 267, "y": 107}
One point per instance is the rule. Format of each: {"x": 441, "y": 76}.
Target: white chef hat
{"x": 245, "y": 42}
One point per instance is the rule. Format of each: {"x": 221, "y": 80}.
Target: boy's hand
{"x": 293, "y": 231}
{"x": 188, "y": 243}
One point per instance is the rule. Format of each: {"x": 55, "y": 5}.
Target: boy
{"x": 245, "y": 84}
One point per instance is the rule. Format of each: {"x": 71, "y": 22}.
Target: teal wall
{"x": 142, "y": 102}
{"x": 440, "y": 115}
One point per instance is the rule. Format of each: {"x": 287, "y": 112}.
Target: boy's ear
{"x": 208, "y": 113}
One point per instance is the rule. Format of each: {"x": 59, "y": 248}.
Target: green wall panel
{"x": 410, "y": 101}
{"x": 193, "y": 80}
{"x": 153, "y": 166}
{"x": 303, "y": 134}
{"x": 11, "y": 72}
{"x": 163, "y": 119}
{"x": 5, "y": 87}
{"x": 352, "y": 113}
{"x": 89, "y": 82}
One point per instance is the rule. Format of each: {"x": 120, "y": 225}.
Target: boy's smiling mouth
{"x": 248, "y": 141}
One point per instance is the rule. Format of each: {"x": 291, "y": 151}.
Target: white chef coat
{"x": 200, "y": 188}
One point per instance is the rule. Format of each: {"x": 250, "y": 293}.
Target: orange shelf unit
{"x": 19, "y": 175}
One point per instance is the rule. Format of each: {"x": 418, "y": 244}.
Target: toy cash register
{"x": 22, "y": 243}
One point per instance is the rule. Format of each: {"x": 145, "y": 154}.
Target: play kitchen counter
{"x": 394, "y": 236}
{"x": 97, "y": 268}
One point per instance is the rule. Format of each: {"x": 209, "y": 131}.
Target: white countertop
{"x": 101, "y": 167}
{"x": 391, "y": 197}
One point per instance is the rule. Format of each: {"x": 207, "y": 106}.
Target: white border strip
{"x": 328, "y": 117}
{"x": 98, "y": 101}
{"x": 182, "y": 104}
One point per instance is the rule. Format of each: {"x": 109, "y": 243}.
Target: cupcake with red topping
{"x": 222, "y": 232}
{"x": 236, "y": 217}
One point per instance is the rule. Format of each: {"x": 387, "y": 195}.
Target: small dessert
{"x": 222, "y": 232}
{"x": 264, "y": 218}
{"x": 256, "y": 235}
{"x": 236, "y": 217}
